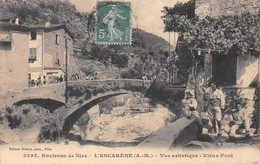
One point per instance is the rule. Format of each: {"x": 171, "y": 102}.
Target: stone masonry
{"x": 216, "y": 8}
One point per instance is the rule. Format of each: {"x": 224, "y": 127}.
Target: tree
{"x": 221, "y": 33}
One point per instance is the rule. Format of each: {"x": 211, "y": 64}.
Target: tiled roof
{"x": 51, "y": 28}
{"x": 11, "y": 26}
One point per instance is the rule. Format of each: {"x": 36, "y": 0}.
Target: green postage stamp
{"x": 113, "y": 22}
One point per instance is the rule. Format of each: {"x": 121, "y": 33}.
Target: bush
{"x": 100, "y": 53}
{"x": 49, "y": 132}
{"x": 90, "y": 70}
{"x": 132, "y": 73}
{"x": 161, "y": 93}
{"x": 75, "y": 92}
{"x": 9, "y": 110}
{"x": 120, "y": 61}
{"x": 14, "y": 120}
{"x": 42, "y": 4}
{"x": 23, "y": 11}
{"x": 55, "y": 20}
{"x": 34, "y": 12}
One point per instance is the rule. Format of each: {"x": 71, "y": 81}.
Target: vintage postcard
{"x": 129, "y": 81}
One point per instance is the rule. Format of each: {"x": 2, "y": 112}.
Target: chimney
{"x": 47, "y": 24}
{"x": 17, "y": 21}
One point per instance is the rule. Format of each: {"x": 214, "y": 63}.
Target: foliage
{"x": 49, "y": 132}
{"x": 161, "y": 93}
{"x": 224, "y": 32}
{"x": 121, "y": 61}
{"x": 25, "y": 116}
{"x": 234, "y": 96}
{"x": 38, "y": 12}
{"x": 187, "y": 9}
{"x": 100, "y": 53}
{"x": 184, "y": 63}
{"x": 88, "y": 70}
{"x": 54, "y": 20}
{"x": 132, "y": 73}
{"x": 149, "y": 42}
{"x": 24, "y": 11}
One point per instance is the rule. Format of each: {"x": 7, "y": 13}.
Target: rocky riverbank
{"x": 119, "y": 121}
{"x": 127, "y": 118}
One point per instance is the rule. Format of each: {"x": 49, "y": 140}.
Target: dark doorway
{"x": 224, "y": 68}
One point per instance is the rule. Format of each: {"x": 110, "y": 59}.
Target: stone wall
{"x": 53, "y": 50}
{"x": 77, "y": 90}
{"x": 14, "y": 63}
{"x": 35, "y": 68}
{"x": 54, "y": 91}
{"x": 215, "y": 8}
{"x": 170, "y": 97}
{"x": 178, "y": 133}
{"x": 246, "y": 70}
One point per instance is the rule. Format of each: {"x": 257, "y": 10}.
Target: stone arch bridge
{"x": 82, "y": 95}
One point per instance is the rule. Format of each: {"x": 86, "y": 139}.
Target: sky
{"x": 148, "y": 13}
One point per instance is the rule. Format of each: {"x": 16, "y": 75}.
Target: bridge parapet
{"x": 81, "y": 91}
{"x": 54, "y": 91}
{"x": 178, "y": 133}
{"x": 78, "y": 91}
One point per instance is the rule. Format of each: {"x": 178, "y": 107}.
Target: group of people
{"x": 43, "y": 80}
{"x": 213, "y": 109}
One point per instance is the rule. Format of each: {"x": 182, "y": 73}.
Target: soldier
{"x": 189, "y": 105}
{"x": 216, "y": 105}
{"x": 239, "y": 119}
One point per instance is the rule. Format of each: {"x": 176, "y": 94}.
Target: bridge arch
{"x": 72, "y": 118}
{"x": 46, "y": 103}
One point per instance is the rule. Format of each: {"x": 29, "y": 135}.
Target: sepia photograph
{"x": 129, "y": 81}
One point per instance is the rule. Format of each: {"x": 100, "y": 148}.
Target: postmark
{"x": 113, "y": 25}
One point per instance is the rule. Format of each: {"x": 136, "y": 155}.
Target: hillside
{"x": 147, "y": 54}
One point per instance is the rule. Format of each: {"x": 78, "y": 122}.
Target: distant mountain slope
{"x": 149, "y": 40}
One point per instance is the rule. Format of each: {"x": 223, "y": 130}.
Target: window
{"x": 32, "y": 57}
{"x": 57, "y": 39}
{"x": 57, "y": 61}
{"x": 33, "y": 35}
{"x": 5, "y": 46}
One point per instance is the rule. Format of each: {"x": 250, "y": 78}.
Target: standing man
{"x": 216, "y": 105}
{"x": 29, "y": 80}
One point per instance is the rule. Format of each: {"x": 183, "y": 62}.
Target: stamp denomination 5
{"x": 113, "y": 23}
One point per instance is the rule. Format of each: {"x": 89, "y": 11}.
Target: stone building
{"x": 32, "y": 51}
{"x": 233, "y": 69}
{"x": 47, "y": 46}
{"x": 215, "y": 8}
{"x": 14, "y": 50}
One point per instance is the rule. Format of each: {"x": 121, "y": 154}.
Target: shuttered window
{"x": 33, "y": 55}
